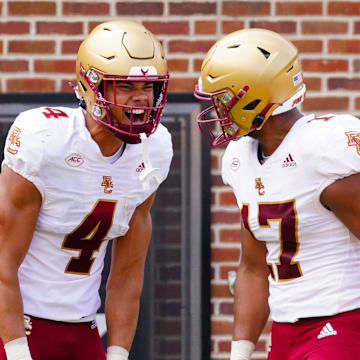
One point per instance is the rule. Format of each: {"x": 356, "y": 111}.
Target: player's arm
{"x": 125, "y": 282}
{"x": 251, "y": 309}
{"x": 19, "y": 208}
{"x": 343, "y": 198}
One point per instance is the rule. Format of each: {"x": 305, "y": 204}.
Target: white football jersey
{"x": 86, "y": 201}
{"x": 314, "y": 260}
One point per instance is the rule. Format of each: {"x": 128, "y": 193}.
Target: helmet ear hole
{"x": 252, "y": 105}
{"x": 82, "y": 86}
{"x": 264, "y": 52}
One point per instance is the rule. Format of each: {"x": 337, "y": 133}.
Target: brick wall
{"x": 39, "y": 40}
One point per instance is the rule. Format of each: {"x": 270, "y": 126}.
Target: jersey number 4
{"x": 88, "y": 237}
{"x": 285, "y": 214}
{"x": 54, "y": 113}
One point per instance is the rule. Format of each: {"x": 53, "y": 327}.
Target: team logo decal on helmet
{"x": 248, "y": 76}
{"x": 117, "y": 52}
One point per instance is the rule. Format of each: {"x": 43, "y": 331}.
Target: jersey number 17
{"x": 285, "y": 214}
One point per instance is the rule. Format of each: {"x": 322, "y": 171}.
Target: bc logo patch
{"x": 354, "y": 139}
{"x": 107, "y": 184}
{"x": 14, "y": 141}
{"x": 259, "y": 186}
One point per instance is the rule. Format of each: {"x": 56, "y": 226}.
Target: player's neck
{"x": 107, "y": 142}
{"x": 275, "y": 129}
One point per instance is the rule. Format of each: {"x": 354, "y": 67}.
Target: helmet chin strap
{"x": 149, "y": 172}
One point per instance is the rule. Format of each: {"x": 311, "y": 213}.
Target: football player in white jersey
{"x": 296, "y": 180}
{"x": 73, "y": 179}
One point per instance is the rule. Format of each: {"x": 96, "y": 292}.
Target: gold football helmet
{"x": 121, "y": 51}
{"x": 248, "y": 76}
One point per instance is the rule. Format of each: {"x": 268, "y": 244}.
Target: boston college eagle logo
{"x": 354, "y": 139}
{"x": 107, "y": 184}
{"x": 259, "y": 186}
{"x": 14, "y": 141}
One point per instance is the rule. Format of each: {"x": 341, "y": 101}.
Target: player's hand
{"x": 115, "y": 352}
{"x": 18, "y": 349}
{"x": 241, "y": 350}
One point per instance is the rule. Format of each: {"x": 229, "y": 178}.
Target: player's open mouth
{"x": 138, "y": 115}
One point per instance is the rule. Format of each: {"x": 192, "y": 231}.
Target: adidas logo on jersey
{"x": 140, "y": 167}
{"x": 289, "y": 162}
{"x": 327, "y": 330}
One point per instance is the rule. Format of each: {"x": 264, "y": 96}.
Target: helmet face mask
{"x": 248, "y": 76}
{"x": 116, "y": 53}
{"x": 222, "y": 103}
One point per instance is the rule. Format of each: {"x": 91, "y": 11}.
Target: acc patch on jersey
{"x": 354, "y": 139}
{"x": 235, "y": 163}
{"x": 74, "y": 160}
{"x": 14, "y": 141}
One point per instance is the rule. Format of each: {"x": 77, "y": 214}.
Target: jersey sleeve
{"x": 229, "y": 162}
{"x": 225, "y": 174}
{"x": 340, "y": 155}
{"x": 229, "y": 168}
{"x": 160, "y": 156}
{"x": 163, "y": 152}
{"x": 24, "y": 147}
